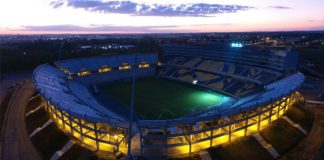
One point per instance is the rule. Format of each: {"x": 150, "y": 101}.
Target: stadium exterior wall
{"x": 98, "y": 128}
{"x": 180, "y": 139}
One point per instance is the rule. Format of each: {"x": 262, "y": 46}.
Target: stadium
{"x": 190, "y": 98}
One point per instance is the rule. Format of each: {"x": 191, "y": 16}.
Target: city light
{"x": 236, "y": 45}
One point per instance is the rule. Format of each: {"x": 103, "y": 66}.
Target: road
{"x": 16, "y": 143}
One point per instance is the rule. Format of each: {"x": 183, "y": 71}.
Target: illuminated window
{"x": 236, "y": 45}
{"x": 143, "y": 65}
{"x": 125, "y": 66}
{"x": 104, "y": 69}
{"x": 84, "y": 72}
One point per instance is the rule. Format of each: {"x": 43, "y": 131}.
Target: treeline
{"x": 27, "y": 55}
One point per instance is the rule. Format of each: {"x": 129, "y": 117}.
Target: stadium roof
{"x": 65, "y": 95}
{"x": 94, "y": 63}
{"x": 52, "y": 84}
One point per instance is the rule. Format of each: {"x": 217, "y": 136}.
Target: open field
{"x": 162, "y": 99}
{"x": 33, "y": 103}
{"x": 301, "y": 116}
{"x": 309, "y": 147}
{"x": 36, "y": 119}
{"x": 49, "y": 140}
{"x": 78, "y": 152}
{"x": 281, "y": 135}
{"x": 315, "y": 56}
{"x": 246, "y": 148}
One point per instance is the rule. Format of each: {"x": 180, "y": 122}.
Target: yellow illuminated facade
{"x": 104, "y": 69}
{"x": 99, "y": 136}
{"x": 143, "y": 65}
{"x": 189, "y": 138}
{"x": 124, "y": 66}
{"x": 83, "y": 73}
{"x": 176, "y": 139}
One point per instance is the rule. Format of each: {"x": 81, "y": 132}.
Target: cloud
{"x": 315, "y": 21}
{"x": 56, "y": 4}
{"x": 280, "y": 7}
{"x": 141, "y": 9}
{"x": 97, "y": 28}
{"x": 94, "y": 28}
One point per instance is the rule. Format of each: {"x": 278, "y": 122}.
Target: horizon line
{"x": 142, "y": 33}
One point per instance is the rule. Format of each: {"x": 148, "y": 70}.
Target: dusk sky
{"x": 158, "y": 16}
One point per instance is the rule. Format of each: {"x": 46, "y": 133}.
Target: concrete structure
{"x": 259, "y": 96}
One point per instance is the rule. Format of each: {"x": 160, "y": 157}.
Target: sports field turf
{"x": 157, "y": 98}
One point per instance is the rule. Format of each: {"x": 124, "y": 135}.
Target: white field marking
{"x": 31, "y": 98}
{"x": 40, "y": 128}
{"x": 300, "y": 128}
{"x": 60, "y": 152}
{"x": 273, "y": 152}
{"x": 34, "y": 110}
{"x": 315, "y": 102}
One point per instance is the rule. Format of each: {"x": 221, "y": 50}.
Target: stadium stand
{"x": 264, "y": 76}
{"x": 260, "y": 89}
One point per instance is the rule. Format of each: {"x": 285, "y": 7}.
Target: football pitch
{"x": 157, "y": 98}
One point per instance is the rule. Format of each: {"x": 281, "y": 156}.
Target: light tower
{"x": 131, "y": 114}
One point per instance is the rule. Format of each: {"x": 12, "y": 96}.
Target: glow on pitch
{"x": 209, "y": 98}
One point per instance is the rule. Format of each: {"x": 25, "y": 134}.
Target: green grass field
{"x": 157, "y": 98}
